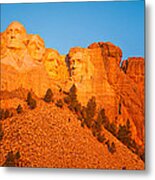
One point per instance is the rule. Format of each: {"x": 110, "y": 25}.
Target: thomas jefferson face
{"x": 36, "y": 48}
{"x": 15, "y": 35}
{"x": 51, "y": 62}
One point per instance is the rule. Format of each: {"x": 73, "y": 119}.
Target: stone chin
{"x": 36, "y": 57}
{"x": 14, "y": 44}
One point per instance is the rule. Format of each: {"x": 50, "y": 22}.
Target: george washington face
{"x": 15, "y": 36}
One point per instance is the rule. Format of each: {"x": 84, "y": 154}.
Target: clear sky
{"x": 65, "y": 25}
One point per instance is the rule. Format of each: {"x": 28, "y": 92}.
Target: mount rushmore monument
{"x": 97, "y": 70}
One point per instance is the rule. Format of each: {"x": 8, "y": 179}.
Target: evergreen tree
{"x": 124, "y": 134}
{"x": 48, "y": 96}
{"x": 101, "y": 119}
{"x": 33, "y": 104}
{"x": 2, "y": 114}
{"x": 11, "y": 159}
{"x": 19, "y": 109}
{"x": 29, "y": 97}
{"x": 90, "y": 111}
{"x": 7, "y": 113}
{"x": 1, "y": 132}
{"x": 91, "y": 108}
{"x": 30, "y": 101}
{"x": 59, "y": 103}
{"x": 72, "y": 93}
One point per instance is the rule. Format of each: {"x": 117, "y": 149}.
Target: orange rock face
{"x": 134, "y": 68}
{"x": 113, "y": 87}
{"x": 94, "y": 70}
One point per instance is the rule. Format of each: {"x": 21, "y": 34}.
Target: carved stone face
{"x": 77, "y": 66}
{"x": 51, "y": 62}
{"x": 15, "y": 36}
{"x": 36, "y": 47}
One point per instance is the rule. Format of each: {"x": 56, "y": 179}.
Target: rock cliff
{"x": 95, "y": 70}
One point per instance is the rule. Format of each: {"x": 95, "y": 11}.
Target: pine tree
{"x": 90, "y": 111}
{"x": 72, "y": 93}
{"x": 2, "y": 114}
{"x": 19, "y": 109}
{"x": 124, "y": 134}
{"x": 48, "y": 96}
{"x": 7, "y": 114}
{"x": 1, "y": 132}
{"x": 29, "y": 97}
{"x": 30, "y": 101}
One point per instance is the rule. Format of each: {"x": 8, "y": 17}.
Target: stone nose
{"x": 12, "y": 37}
{"x": 56, "y": 63}
{"x": 72, "y": 63}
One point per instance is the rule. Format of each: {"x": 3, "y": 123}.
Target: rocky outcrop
{"x": 23, "y": 58}
{"x": 114, "y": 89}
{"x": 95, "y": 70}
{"x": 134, "y": 68}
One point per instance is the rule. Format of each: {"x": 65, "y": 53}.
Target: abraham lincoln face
{"x": 77, "y": 66}
{"x": 15, "y": 36}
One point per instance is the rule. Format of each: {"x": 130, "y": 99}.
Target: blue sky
{"x": 65, "y": 25}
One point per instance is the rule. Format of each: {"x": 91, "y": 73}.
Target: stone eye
{"x": 51, "y": 60}
{"x": 17, "y": 31}
{"x": 78, "y": 60}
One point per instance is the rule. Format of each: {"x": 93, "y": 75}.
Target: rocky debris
{"x": 52, "y": 137}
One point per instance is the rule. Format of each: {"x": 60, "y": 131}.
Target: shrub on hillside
{"x": 33, "y": 104}
{"x": 91, "y": 108}
{"x": 19, "y": 109}
{"x": 2, "y": 114}
{"x": 30, "y": 101}
{"x": 72, "y": 93}
{"x": 111, "y": 127}
{"x": 11, "y": 159}
{"x": 96, "y": 129}
{"x": 1, "y": 132}
{"x": 82, "y": 124}
{"x": 101, "y": 118}
{"x": 59, "y": 103}
{"x": 111, "y": 147}
{"x": 72, "y": 101}
{"x": 48, "y": 96}
{"x": 101, "y": 138}
{"x": 124, "y": 134}
{"x": 90, "y": 112}
{"x": 67, "y": 99}
{"x": 29, "y": 97}
{"x": 83, "y": 112}
{"x": 7, "y": 114}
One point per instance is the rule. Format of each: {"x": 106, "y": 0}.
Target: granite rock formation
{"x": 95, "y": 70}
{"x": 114, "y": 89}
